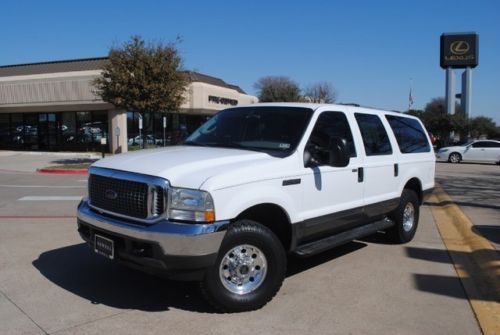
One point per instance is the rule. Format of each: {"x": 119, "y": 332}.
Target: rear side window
{"x": 375, "y": 137}
{"x": 481, "y": 145}
{"x": 493, "y": 145}
{"x": 409, "y": 134}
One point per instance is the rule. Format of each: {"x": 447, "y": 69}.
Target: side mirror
{"x": 339, "y": 155}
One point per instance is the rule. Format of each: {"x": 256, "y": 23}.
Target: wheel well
{"x": 273, "y": 217}
{"x": 415, "y": 185}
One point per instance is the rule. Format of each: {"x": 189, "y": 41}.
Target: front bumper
{"x": 178, "y": 250}
{"x": 442, "y": 156}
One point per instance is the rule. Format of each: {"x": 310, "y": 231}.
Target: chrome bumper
{"x": 175, "y": 239}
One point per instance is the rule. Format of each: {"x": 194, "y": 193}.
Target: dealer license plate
{"x": 104, "y": 246}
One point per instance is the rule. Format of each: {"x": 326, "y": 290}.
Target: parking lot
{"x": 52, "y": 283}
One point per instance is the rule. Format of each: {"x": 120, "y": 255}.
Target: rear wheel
{"x": 249, "y": 270}
{"x": 455, "y": 157}
{"x": 405, "y": 218}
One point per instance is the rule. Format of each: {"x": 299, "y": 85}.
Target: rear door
{"x": 493, "y": 151}
{"x": 379, "y": 170}
{"x": 476, "y": 151}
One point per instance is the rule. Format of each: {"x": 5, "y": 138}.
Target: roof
{"x": 200, "y": 77}
{"x": 337, "y": 106}
{"x": 85, "y": 64}
{"x": 97, "y": 63}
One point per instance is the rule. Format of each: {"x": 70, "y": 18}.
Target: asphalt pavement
{"x": 52, "y": 283}
{"x": 476, "y": 189}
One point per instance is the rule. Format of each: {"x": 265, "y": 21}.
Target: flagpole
{"x": 410, "y": 97}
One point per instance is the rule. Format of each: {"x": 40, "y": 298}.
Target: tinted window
{"x": 493, "y": 144}
{"x": 375, "y": 137}
{"x": 409, "y": 134}
{"x": 481, "y": 144}
{"x": 332, "y": 124}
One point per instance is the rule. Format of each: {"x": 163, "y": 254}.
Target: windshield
{"x": 275, "y": 130}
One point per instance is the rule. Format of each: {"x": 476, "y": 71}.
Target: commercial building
{"x": 53, "y": 106}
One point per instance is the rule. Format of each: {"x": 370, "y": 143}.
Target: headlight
{"x": 190, "y": 205}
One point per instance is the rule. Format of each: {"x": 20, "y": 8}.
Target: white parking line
{"x": 50, "y": 198}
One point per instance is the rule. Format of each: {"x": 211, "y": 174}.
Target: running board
{"x": 316, "y": 247}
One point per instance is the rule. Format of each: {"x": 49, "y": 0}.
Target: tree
{"x": 482, "y": 125}
{"x": 277, "y": 89}
{"x": 143, "y": 77}
{"x": 321, "y": 92}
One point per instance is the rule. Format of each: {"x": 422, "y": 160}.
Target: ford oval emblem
{"x": 111, "y": 194}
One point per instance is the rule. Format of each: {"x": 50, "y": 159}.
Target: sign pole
{"x": 164, "y": 127}
{"x": 450, "y": 91}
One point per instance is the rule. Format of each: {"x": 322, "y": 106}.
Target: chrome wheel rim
{"x": 408, "y": 217}
{"x": 454, "y": 158}
{"x": 243, "y": 269}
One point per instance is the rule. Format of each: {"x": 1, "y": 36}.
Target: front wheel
{"x": 405, "y": 218}
{"x": 249, "y": 270}
{"x": 454, "y": 157}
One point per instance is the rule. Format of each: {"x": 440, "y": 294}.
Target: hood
{"x": 185, "y": 166}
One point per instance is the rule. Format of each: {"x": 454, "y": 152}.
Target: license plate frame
{"x": 104, "y": 246}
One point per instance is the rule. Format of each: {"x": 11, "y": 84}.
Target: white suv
{"x": 254, "y": 184}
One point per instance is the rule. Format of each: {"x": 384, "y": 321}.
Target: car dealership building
{"x": 53, "y": 106}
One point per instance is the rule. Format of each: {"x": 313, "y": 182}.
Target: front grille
{"x": 125, "y": 197}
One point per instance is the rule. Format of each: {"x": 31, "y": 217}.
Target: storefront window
{"x": 4, "y": 131}
{"x": 17, "y": 131}
{"x": 68, "y": 133}
{"x": 91, "y": 128}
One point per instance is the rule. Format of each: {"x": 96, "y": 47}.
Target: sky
{"x": 369, "y": 50}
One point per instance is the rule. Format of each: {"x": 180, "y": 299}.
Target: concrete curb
{"x": 64, "y": 171}
{"x": 475, "y": 260}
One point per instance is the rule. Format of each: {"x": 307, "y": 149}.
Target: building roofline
{"x": 56, "y": 62}
{"x": 95, "y": 63}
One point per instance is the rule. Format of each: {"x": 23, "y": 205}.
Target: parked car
{"x": 138, "y": 140}
{"x": 91, "y": 132}
{"x": 474, "y": 151}
{"x": 254, "y": 184}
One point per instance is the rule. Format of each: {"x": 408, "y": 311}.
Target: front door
{"x": 333, "y": 196}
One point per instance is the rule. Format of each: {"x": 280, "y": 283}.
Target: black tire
{"x": 455, "y": 158}
{"x": 402, "y": 232}
{"x": 253, "y": 234}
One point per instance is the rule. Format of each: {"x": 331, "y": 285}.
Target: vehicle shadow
{"x": 467, "y": 163}
{"x": 297, "y": 265}
{"x": 78, "y": 270}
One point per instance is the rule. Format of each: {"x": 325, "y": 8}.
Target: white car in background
{"x": 474, "y": 151}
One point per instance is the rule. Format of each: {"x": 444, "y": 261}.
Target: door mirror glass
{"x": 333, "y": 153}
{"x": 339, "y": 155}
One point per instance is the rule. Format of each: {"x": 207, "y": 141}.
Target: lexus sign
{"x": 459, "y": 50}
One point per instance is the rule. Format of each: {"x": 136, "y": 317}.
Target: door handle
{"x": 396, "y": 170}
{"x": 361, "y": 175}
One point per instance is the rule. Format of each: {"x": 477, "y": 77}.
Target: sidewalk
{"x": 26, "y": 161}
